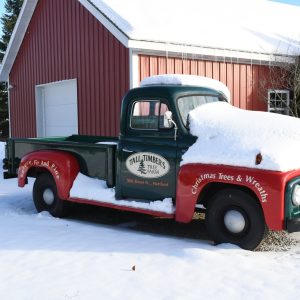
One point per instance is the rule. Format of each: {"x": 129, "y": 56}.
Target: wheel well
{"x": 212, "y": 188}
{"x": 35, "y": 172}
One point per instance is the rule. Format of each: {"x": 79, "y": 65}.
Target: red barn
{"x": 69, "y": 62}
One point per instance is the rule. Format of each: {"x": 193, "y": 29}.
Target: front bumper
{"x": 292, "y": 212}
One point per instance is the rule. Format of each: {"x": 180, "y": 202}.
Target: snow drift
{"x": 85, "y": 187}
{"x": 231, "y": 136}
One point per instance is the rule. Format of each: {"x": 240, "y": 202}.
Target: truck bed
{"x": 95, "y": 154}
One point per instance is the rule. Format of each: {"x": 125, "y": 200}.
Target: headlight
{"x": 296, "y": 195}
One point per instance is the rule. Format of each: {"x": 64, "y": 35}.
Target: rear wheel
{"x": 45, "y": 196}
{"x": 234, "y": 216}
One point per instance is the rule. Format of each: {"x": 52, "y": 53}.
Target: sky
{"x": 293, "y": 2}
{"x": 2, "y": 2}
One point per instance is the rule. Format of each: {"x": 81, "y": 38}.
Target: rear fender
{"x": 63, "y": 166}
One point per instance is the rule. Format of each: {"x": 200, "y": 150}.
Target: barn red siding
{"x": 241, "y": 79}
{"x": 64, "y": 41}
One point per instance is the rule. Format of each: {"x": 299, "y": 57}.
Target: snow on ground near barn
{"x": 231, "y": 136}
{"x": 42, "y": 257}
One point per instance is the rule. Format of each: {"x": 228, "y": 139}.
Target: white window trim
{"x": 133, "y": 69}
{"x": 9, "y": 87}
{"x": 287, "y": 92}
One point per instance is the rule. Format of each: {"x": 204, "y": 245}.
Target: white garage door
{"x": 56, "y": 111}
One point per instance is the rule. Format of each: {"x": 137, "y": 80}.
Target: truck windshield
{"x": 188, "y": 103}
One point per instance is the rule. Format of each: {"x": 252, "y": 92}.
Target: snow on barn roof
{"x": 251, "y": 30}
{"x": 258, "y": 26}
{"x": 191, "y": 80}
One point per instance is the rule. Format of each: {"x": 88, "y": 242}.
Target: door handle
{"x": 128, "y": 151}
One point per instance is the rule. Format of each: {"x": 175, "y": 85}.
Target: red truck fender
{"x": 62, "y": 165}
{"x": 268, "y": 186}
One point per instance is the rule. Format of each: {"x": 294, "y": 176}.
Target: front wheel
{"x": 234, "y": 216}
{"x": 45, "y": 196}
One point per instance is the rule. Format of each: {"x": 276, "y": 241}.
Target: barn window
{"x": 279, "y": 101}
{"x": 148, "y": 114}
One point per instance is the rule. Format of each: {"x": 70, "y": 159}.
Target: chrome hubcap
{"x": 48, "y": 196}
{"x": 234, "y": 221}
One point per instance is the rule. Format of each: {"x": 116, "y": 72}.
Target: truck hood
{"x": 227, "y": 135}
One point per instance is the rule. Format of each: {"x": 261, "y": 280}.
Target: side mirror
{"x": 168, "y": 121}
{"x": 168, "y": 115}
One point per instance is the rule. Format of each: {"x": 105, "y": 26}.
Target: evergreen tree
{"x": 8, "y": 21}
{"x": 142, "y": 168}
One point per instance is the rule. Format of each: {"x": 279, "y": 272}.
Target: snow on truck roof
{"x": 189, "y": 80}
{"x": 231, "y": 136}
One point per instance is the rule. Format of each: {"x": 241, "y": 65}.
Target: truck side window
{"x": 148, "y": 114}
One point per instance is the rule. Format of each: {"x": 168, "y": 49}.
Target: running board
{"x": 133, "y": 206}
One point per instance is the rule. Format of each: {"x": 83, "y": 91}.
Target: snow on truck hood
{"x": 231, "y": 136}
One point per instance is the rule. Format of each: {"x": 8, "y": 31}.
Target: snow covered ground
{"x": 42, "y": 257}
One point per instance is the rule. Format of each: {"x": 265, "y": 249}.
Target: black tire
{"x": 45, "y": 196}
{"x": 234, "y": 216}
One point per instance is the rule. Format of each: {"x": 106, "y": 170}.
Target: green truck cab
{"x": 142, "y": 169}
{"x": 145, "y": 129}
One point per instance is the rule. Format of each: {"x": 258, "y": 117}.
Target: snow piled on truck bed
{"x": 85, "y": 187}
{"x": 231, "y": 136}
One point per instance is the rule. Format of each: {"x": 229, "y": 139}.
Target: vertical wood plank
{"x": 201, "y": 68}
{"x": 249, "y": 83}
{"x": 153, "y": 65}
{"x": 216, "y": 70}
{"x": 209, "y": 69}
{"x": 170, "y": 65}
{"x": 243, "y": 86}
{"x": 186, "y": 66}
{"x": 194, "y": 67}
{"x": 178, "y": 66}
{"x": 229, "y": 79}
{"x": 162, "y": 65}
{"x": 223, "y": 72}
{"x": 236, "y": 85}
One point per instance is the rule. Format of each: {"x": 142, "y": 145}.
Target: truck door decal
{"x": 147, "y": 165}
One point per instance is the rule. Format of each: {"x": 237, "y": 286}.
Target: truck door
{"x": 148, "y": 153}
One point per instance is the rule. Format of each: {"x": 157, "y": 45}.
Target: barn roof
{"x": 249, "y": 29}
{"x": 250, "y": 25}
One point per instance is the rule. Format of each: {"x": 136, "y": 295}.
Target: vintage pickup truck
{"x": 141, "y": 170}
